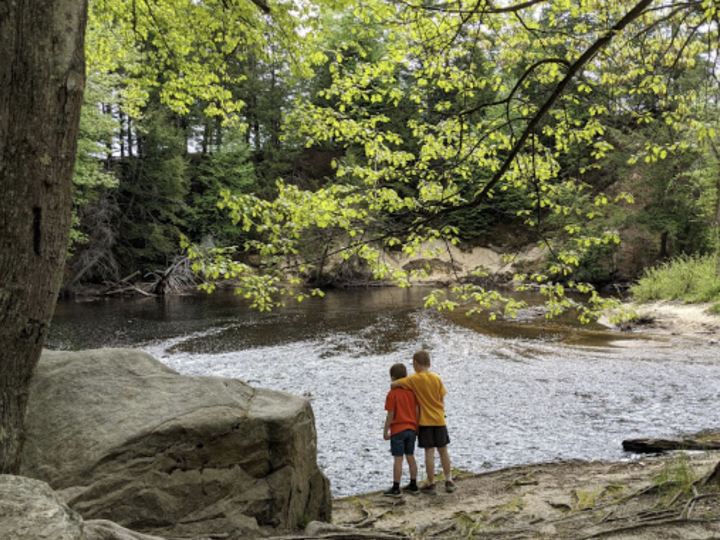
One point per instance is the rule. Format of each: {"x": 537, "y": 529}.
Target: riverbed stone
{"x": 123, "y": 437}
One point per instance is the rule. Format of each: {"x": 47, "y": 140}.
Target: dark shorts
{"x": 403, "y": 443}
{"x": 433, "y": 437}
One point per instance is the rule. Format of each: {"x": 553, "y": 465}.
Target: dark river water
{"x": 519, "y": 392}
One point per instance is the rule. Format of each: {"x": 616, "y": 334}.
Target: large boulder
{"x": 31, "y": 510}
{"x": 125, "y": 438}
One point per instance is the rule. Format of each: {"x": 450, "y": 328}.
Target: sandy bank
{"x": 673, "y": 319}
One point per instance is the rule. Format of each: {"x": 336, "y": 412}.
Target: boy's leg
{"x": 412, "y": 466}
{"x": 445, "y": 460}
{"x": 412, "y": 486}
{"x": 396, "y": 449}
{"x": 430, "y": 465}
{"x": 397, "y": 469}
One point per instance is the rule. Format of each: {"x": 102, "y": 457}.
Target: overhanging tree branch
{"x": 572, "y": 71}
{"x": 515, "y": 88}
{"x": 264, "y": 7}
{"x": 489, "y": 8}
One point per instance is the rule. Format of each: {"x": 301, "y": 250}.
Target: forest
{"x": 239, "y": 134}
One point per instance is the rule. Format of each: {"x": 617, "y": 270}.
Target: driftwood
{"x": 654, "y": 446}
{"x": 175, "y": 278}
{"x": 125, "y": 286}
{"x": 128, "y": 289}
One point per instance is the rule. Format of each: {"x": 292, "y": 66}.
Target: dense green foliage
{"x": 96, "y": 134}
{"x": 288, "y": 132}
{"x": 688, "y": 279}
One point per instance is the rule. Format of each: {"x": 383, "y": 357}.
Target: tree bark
{"x": 42, "y": 78}
{"x": 129, "y": 137}
{"x": 716, "y": 217}
{"x": 121, "y": 136}
{"x": 664, "y": 237}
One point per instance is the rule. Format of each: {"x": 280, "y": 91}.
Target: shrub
{"x": 690, "y": 279}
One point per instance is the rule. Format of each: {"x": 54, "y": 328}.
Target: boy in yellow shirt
{"x": 430, "y": 393}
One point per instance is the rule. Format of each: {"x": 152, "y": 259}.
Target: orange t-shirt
{"x": 404, "y": 406}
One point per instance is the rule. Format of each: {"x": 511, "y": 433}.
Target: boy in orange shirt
{"x": 432, "y": 433}
{"x": 400, "y": 429}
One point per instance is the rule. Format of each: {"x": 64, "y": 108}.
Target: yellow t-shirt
{"x": 429, "y": 391}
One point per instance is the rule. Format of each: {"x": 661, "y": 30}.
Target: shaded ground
{"x": 661, "y": 497}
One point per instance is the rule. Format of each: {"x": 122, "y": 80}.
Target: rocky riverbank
{"x": 120, "y": 437}
{"x": 672, "y": 496}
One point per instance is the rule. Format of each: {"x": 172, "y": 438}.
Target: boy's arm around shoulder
{"x": 443, "y": 390}
{"x": 405, "y": 382}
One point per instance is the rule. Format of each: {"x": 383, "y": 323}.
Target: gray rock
{"x": 30, "y": 510}
{"x": 102, "y": 529}
{"x": 125, "y": 438}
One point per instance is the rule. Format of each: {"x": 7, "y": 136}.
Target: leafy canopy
{"x": 440, "y": 108}
{"x": 444, "y": 106}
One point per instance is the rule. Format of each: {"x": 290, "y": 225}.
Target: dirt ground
{"x": 673, "y": 496}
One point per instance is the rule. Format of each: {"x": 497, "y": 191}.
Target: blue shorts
{"x": 403, "y": 443}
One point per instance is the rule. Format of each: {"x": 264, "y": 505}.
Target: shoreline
{"x": 643, "y": 497}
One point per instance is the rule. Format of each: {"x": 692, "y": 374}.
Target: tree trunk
{"x": 664, "y": 237}
{"x": 121, "y": 137}
{"x": 716, "y": 217}
{"x": 42, "y": 77}
{"x": 129, "y": 137}
{"x": 107, "y": 109}
{"x": 218, "y": 134}
{"x": 205, "y": 138}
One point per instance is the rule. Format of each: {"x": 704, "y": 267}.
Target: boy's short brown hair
{"x": 422, "y": 357}
{"x": 398, "y": 371}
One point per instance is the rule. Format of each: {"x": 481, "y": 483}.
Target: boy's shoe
{"x": 392, "y": 492}
{"x": 449, "y": 486}
{"x": 428, "y": 489}
{"x": 411, "y": 488}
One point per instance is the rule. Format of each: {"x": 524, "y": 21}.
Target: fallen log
{"x": 654, "y": 446}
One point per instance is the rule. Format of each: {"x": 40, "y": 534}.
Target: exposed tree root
{"x": 640, "y": 526}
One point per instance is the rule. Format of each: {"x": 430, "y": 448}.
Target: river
{"x": 519, "y": 392}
